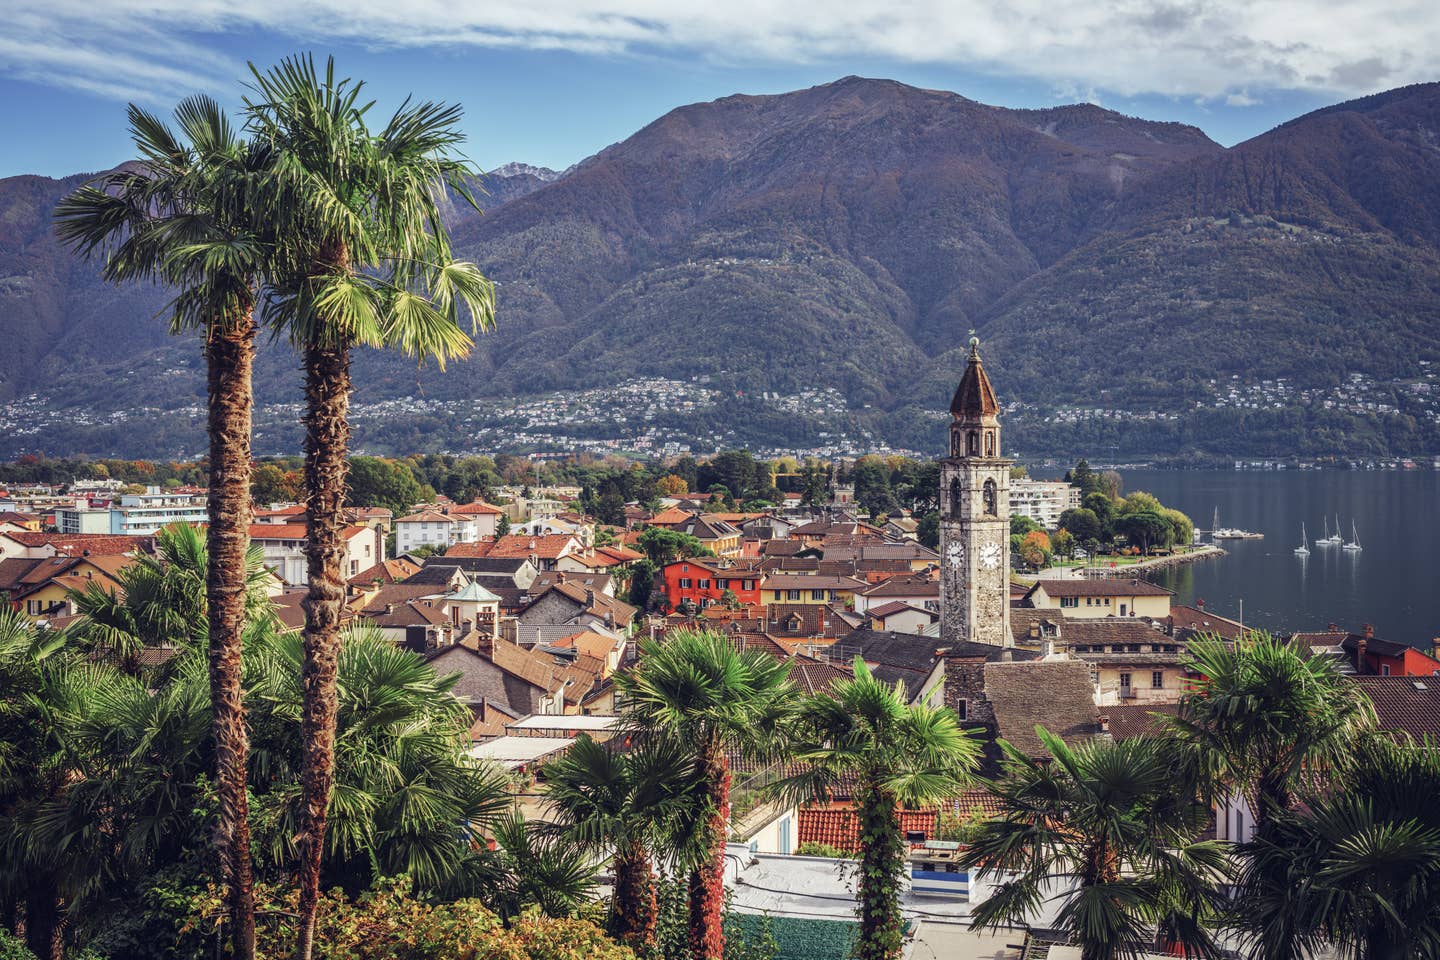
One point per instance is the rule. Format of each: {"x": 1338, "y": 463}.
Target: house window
{"x": 1122, "y": 609}
{"x": 1124, "y": 681}
{"x": 1157, "y": 679}
{"x": 1384, "y": 669}
{"x": 777, "y": 595}
{"x": 962, "y": 709}
{"x": 793, "y": 594}
{"x": 684, "y": 583}
{"x": 1069, "y": 601}
{"x": 820, "y": 595}
{"x": 989, "y": 443}
{"x": 34, "y": 607}
{"x": 749, "y": 584}
{"x": 704, "y": 584}
{"x": 972, "y": 444}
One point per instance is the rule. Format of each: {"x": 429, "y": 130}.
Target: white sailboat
{"x": 1302, "y": 550}
{"x": 1354, "y": 543}
{"x": 1332, "y": 539}
{"x": 1324, "y": 541}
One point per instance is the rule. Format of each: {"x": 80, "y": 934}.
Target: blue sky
{"x": 551, "y": 81}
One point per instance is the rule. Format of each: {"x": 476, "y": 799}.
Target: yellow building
{"x": 1094, "y": 599}
{"x": 807, "y": 588}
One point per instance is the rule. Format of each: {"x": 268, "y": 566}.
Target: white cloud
{"x": 1241, "y": 98}
{"x": 1211, "y": 49}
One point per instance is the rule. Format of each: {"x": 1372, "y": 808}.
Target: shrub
{"x": 811, "y": 848}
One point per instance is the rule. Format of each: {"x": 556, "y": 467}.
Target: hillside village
{"x": 534, "y": 608}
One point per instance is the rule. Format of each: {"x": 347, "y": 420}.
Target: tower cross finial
{"x": 974, "y": 343}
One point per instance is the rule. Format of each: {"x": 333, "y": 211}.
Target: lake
{"x": 1394, "y": 583}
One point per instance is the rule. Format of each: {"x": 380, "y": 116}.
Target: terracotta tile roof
{"x": 480, "y": 548}
{"x": 922, "y": 587}
{"x": 1138, "y": 720}
{"x": 1405, "y": 704}
{"x": 597, "y": 605}
{"x": 670, "y": 516}
{"x": 620, "y": 554}
{"x": 1202, "y": 621}
{"x": 409, "y": 613}
{"x": 1056, "y": 694}
{"x": 817, "y": 676}
{"x": 808, "y": 581}
{"x": 840, "y": 828}
{"x": 76, "y": 545}
{"x": 12, "y": 516}
{"x": 894, "y": 607}
{"x": 599, "y": 582}
{"x": 426, "y": 516}
{"x": 1100, "y": 587}
{"x": 390, "y": 571}
{"x": 588, "y": 643}
{"x": 14, "y": 570}
{"x": 477, "y": 508}
{"x": 279, "y": 531}
{"x": 548, "y": 546}
{"x": 295, "y": 510}
{"x": 974, "y": 397}
{"x": 797, "y": 620}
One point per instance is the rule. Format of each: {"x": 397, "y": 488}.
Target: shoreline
{"x": 1205, "y": 552}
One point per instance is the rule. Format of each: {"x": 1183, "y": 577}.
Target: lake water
{"x": 1394, "y": 583}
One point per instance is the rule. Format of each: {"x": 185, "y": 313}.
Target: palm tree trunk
{"x": 636, "y": 904}
{"x": 230, "y": 355}
{"x": 327, "y": 438}
{"x": 707, "y": 881}
{"x": 882, "y": 860}
{"x": 42, "y": 919}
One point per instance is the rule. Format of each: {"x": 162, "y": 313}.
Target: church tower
{"x": 975, "y": 517}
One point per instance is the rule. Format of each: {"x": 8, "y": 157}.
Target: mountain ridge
{"x": 851, "y": 234}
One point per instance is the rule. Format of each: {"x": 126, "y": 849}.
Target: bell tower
{"x": 975, "y": 517}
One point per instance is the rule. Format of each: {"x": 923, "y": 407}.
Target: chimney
{"x": 389, "y": 608}
{"x": 1360, "y": 646}
{"x": 1047, "y": 648}
{"x": 1369, "y": 631}
{"x": 1104, "y": 723}
{"x": 589, "y": 597}
{"x": 1333, "y": 628}
{"x": 1200, "y": 604}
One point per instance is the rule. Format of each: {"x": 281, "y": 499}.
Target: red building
{"x": 704, "y": 582}
{"x": 1369, "y": 655}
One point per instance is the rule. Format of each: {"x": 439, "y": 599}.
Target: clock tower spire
{"x": 975, "y": 517}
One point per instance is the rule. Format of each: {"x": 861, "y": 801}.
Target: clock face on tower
{"x": 955, "y": 554}
{"x": 990, "y": 556}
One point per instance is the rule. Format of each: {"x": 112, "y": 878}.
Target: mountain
{"x": 1135, "y": 285}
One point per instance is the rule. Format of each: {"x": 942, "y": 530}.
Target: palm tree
{"x": 184, "y": 216}
{"x": 405, "y": 793}
{"x": 160, "y": 600}
{"x": 363, "y": 259}
{"x": 1358, "y": 868}
{"x": 1110, "y": 828}
{"x": 540, "y": 867}
{"x": 627, "y": 802}
{"x": 696, "y": 691}
{"x": 1262, "y": 712}
{"x": 899, "y": 755}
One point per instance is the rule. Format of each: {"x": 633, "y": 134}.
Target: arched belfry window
{"x": 955, "y": 497}
{"x": 954, "y": 443}
{"x": 992, "y": 504}
{"x": 972, "y": 444}
{"x": 989, "y": 443}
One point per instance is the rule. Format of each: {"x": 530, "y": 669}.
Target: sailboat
{"x": 1302, "y": 550}
{"x": 1354, "y": 543}
{"x": 1331, "y": 539}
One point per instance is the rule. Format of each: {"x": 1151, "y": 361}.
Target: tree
{"x": 698, "y": 693}
{"x": 1139, "y": 502}
{"x": 1181, "y": 526}
{"x": 1035, "y": 549}
{"x": 663, "y": 545}
{"x": 814, "y": 481}
{"x": 1262, "y": 714}
{"x": 899, "y": 755}
{"x": 1357, "y": 868}
{"x": 186, "y": 215}
{"x": 364, "y": 260}
{"x": 1064, "y": 543}
{"x": 1082, "y": 523}
{"x": 671, "y": 486}
{"x": 270, "y": 484}
{"x": 1144, "y": 528}
{"x": 927, "y": 531}
{"x": 1119, "y": 820}
{"x": 627, "y": 803}
{"x": 374, "y": 482}
{"x": 1083, "y": 477}
{"x": 1104, "y": 509}
{"x": 1021, "y": 524}
{"x": 160, "y": 600}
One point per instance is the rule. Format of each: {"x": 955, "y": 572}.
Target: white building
{"x": 1042, "y": 500}
{"x": 139, "y": 514}
{"x": 283, "y": 545}
{"x": 433, "y": 528}
{"x": 82, "y": 518}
